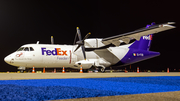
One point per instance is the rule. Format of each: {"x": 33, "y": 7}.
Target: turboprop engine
{"x": 85, "y": 63}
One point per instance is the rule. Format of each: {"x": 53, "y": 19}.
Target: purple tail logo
{"x": 147, "y": 37}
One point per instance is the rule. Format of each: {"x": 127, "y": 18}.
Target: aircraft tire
{"x": 22, "y": 71}
{"x": 102, "y": 70}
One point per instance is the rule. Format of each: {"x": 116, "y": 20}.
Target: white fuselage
{"x": 50, "y": 56}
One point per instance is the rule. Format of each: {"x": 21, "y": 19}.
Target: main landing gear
{"x": 102, "y": 70}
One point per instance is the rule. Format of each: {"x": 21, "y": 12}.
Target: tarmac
{"x": 20, "y": 76}
{"x": 165, "y": 96}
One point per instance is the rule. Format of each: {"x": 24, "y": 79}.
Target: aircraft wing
{"x": 126, "y": 37}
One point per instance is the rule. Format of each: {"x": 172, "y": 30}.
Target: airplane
{"x": 100, "y": 53}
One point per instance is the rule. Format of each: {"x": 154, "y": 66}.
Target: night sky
{"x": 29, "y": 21}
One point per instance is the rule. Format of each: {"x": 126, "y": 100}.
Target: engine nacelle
{"x": 93, "y": 43}
{"x": 86, "y": 64}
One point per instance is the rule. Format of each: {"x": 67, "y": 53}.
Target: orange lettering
{"x": 64, "y": 52}
{"x": 61, "y": 52}
{"x": 58, "y": 51}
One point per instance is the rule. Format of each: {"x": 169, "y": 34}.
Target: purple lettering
{"x": 54, "y": 52}
{"x": 43, "y": 50}
{"x": 48, "y": 52}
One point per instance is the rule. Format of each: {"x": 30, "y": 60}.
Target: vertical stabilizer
{"x": 143, "y": 44}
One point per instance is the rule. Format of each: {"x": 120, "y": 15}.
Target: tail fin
{"x": 144, "y": 43}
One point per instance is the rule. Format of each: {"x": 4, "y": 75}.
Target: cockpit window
{"x": 20, "y": 49}
{"x": 31, "y": 49}
{"x": 26, "y": 49}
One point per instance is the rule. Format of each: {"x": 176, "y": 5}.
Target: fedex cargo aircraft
{"x": 119, "y": 50}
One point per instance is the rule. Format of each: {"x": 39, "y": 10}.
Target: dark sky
{"x": 23, "y": 22}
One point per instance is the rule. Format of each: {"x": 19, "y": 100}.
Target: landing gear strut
{"x": 102, "y": 70}
{"x": 22, "y": 69}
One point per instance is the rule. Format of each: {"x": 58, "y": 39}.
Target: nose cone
{"x": 7, "y": 59}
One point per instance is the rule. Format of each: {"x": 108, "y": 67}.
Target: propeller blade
{"x": 75, "y": 39}
{"x": 81, "y": 42}
{"x": 87, "y": 36}
{"x": 79, "y": 33}
{"x": 83, "y": 50}
{"x": 52, "y": 40}
{"x": 77, "y": 48}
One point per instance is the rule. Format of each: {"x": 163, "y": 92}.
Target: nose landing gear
{"x": 22, "y": 69}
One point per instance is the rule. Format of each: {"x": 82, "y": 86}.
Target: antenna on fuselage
{"x": 37, "y": 42}
{"x": 52, "y": 40}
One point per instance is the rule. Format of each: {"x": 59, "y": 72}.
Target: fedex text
{"x": 56, "y": 51}
{"x": 147, "y": 37}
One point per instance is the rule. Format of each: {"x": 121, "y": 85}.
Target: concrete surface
{"x": 167, "y": 96}
{"x": 16, "y": 76}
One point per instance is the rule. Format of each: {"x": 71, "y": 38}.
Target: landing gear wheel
{"x": 102, "y": 70}
{"x": 22, "y": 71}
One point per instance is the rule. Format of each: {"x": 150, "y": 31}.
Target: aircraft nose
{"x": 7, "y": 59}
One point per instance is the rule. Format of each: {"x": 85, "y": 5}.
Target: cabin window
{"x": 26, "y": 49}
{"x": 31, "y": 49}
{"x": 20, "y": 49}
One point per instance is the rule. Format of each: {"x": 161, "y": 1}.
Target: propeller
{"x": 81, "y": 42}
{"x": 52, "y": 40}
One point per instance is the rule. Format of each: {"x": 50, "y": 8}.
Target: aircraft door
{"x": 28, "y": 54}
{"x": 73, "y": 58}
{"x": 32, "y": 56}
{"x": 48, "y": 59}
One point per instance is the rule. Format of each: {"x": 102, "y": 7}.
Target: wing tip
{"x": 171, "y": 22}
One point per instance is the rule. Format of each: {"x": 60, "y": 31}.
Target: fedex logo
{"x": 147, "y": 37}
{"x": 56, "y": 51}
{"x": 18, "y": 55}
